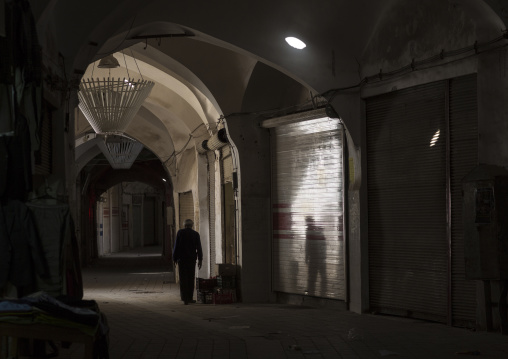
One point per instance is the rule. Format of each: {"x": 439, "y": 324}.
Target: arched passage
{"x": 344, "y": 41}
{"x": 124, "y": 221}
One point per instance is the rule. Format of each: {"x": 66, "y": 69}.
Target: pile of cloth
{"x": 42, "y": 308}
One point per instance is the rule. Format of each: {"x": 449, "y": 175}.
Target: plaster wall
{"x": 349, "y": 108}
{"x": 186, "y": 172}
{"x": 253, "y": 144}
{"x": 417, "y": 31}
{"x": 184, "y": 180}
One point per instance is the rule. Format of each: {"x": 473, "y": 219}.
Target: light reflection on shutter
{"x": 211, "y": 207}
{"x": 307, "y": 200}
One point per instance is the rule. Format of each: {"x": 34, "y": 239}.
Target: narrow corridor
{"x": 137, "y": 292}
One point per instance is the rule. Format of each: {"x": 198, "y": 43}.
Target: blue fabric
{"x": 8, "y": 306}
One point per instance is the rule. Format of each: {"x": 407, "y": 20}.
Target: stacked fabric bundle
{"x": 41, "y": 308}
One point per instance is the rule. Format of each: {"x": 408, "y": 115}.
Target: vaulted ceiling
{"x": 211, "y": 58}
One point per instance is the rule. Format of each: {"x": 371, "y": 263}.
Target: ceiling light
{"x": 296, "y": 43}
{"x": 120, "y": 151}
{"x": 108, "y": 62}
{"x": 110, "y": 104}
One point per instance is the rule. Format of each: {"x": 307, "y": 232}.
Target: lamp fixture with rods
{"x": 110, "y": 104}
{"x": 120, "y": 151}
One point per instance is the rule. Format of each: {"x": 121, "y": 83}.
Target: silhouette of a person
{"x": 314, "y": 258}
{"x": 187, "y": 250}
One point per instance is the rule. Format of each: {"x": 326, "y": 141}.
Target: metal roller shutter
{"x": 211, "y": 207}
{"x": 186, "y": 207}
{"x": 463, "y": 158}
{"x": 408, "y": 263}
{"x": 307, "y": 202}
{"x": 227, "y": 164}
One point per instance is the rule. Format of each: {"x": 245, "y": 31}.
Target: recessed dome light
{"x": 296, "y": 43}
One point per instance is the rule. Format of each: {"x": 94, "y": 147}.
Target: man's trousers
{"x": 187, "y": 271}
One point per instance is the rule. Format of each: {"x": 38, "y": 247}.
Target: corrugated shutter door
{"x": 408, "y": 265}
{"x": 186, "y": 207}
{"x": 227, "y": 164}
{"x": 464, "y": 157}
{"x": 211, "y": 207}
{"x": 307, "y": 200}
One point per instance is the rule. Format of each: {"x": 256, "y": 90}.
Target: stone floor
{"x": 137, "y": 292}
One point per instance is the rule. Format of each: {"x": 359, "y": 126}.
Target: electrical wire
{"x": 419, "y": 65}
{"x": 176, "y": 153}
{"x": 469, "y": 51}
{"x": 128, "y": 75}
{"x": 329, "y": 95}
{"x": 307, "y": 105}
{"x": 142, "y": 79}
{"x": 121, "y": 43}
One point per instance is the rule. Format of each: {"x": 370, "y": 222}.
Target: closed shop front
{"x": 307, "y": 205}
{"x": 186, "y": 207}
{"x": 210, "y": 155}
{"x": 229, "y": 245}
{"x": 421, "y": 141}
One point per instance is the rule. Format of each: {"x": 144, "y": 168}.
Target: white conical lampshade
{"x": 110, "y": 105}
{"x": 120, "y": 151}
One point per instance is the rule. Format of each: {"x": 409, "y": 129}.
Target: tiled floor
{"x": 147, "y": 320}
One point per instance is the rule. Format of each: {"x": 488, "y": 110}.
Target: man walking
{"x": 187, "y": 250}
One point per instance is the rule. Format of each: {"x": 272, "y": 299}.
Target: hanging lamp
{"x": 110, "y": 104}
{"x": 120, "y": 151}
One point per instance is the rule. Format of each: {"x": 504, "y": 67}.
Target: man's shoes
{"x": 192, "y": 301}
{"x": 185, "y": 302}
